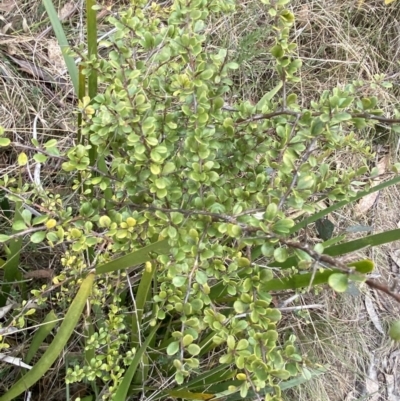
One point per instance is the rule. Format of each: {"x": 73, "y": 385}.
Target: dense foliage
{"x": 220, "y": 181}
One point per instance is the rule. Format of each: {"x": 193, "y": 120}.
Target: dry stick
{"x": 383, "y": 288}
{"x": 299, "y": 307}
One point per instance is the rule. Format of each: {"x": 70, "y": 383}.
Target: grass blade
{"x": 303, "y": 280}
{"x": 63, "y": 43}
{"x": 55, "y": 348}
{"x": 91, "y": 25}
{"x": 140, "y": 300}
{"x": 134, "y": 258}
{"x": 347, "y": 247}
{"x": 370, "y": 240}
{"x": 81, "y": 95}
{"x": 338, "y": 205}
{"x": 44, "y": 330}
{"x": 10, "y": 267}
{"x": 123, "y": 388}
{"x": 188, "y": 395}
{"x": 203, "y": 381}
{"x": 89, "y": 331}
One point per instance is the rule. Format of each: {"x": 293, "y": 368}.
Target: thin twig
{"x": 300, "y": 307}
{"x": 376, "y": 285}
{"x": 304, "y": 158}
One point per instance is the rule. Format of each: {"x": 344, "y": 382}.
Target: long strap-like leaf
{"x": 63, "y": 43}
{"x": 55, "y": 348}
{"x": 338, "y": 205}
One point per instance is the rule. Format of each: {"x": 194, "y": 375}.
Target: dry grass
{"x": 338, "y": 43}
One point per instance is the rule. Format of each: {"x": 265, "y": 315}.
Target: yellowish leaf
{"x": 22, "y": 159}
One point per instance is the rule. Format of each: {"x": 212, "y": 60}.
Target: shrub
{"x": 210, "y": 184}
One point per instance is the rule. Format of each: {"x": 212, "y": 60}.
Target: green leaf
{"x": 394, "y": 331}
{"x": 123, "y": 388}
{"x": 38, "y": 237}
{"x": 193, "y": 349}
{"x": 324, "y": 228}
{"x": 371, "y": 240}
{"x": 340, "y": 117}
{"x": 63, "y": 43}
{"x": 232, "y": 66}
{"x": 4, "y": 238}
{"x": 338, "y": 205}
{"x": 179, "y": 281}
{"x": 173, "y": 348}
{"x": 339, "y": 282}
{"x": 19, "y": 225}
{"x": 41, "y": 334}
{"x": 51, "y": 143}
{"x": 283, "y": 226}
{"x": 168, "y": 168}
{"x": 287, "y": 16}
{"x": 55, "y": 349}
{"x": 305, "y": 181}
{"x": 280, "y": 254}
{"x": 207, "y": 74}
{"x": 317, "y": 126}
{"x": 11, "y": 267}
{"x": 272, "y": 210}
{"x": 4, "y": 142}
{"x": 40, "y": 157}
{"x": 277, "y": 51}
{"x": 281, "y": 374}
{"x": 269, "y": 96}
{"x": 134, "y": 258}
{"x": 142, "y": 295}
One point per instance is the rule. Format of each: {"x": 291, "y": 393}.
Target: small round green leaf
{"x": 194, "y": 349}
{"x": 173, "y": 348}
{"x": 4, "y": 142}
{"x": 38, "y": 237}
{"x": 280, "y": 254}
{"x": 338, "y": 281}
{"x": 187, "y": 340}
